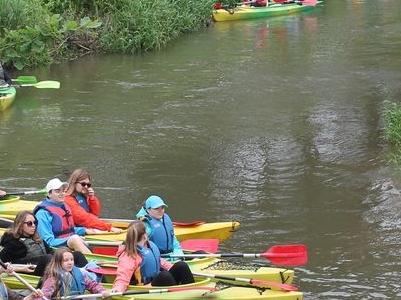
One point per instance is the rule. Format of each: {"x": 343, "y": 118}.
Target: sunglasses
{"x": 85, "y": 184}
{"x": 30, "y": 223}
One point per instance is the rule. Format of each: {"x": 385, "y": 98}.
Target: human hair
{"x": 17, "y": 229}
{"x": 136, "y": 230}
{"x": 76, "y": 176}
{"x": 55, "y": 270}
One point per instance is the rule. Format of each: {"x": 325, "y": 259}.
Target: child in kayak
{"x": 139, "y": 263}
{"x": 63, "y": 278}
{"x": 84, "y": 204}
{"x": 159, "y": 226}
{"x": 55, "y": 223}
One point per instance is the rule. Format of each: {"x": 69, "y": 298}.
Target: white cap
{"x": 54, "y": 184}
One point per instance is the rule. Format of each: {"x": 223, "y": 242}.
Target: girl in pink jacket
{"x": 139, "y": 263}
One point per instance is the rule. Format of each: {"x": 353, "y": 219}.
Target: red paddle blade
{"x": 274, "y": 285}
{"x": 309, "y": 2}
{"x": 208, "y": 245}
{"x": 287, "y": 255}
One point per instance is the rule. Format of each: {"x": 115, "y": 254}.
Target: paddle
{"x": 47, "y": 84}
{"x": 24, "y": 193}
{"x": 284, "y": 255}
{"x": 26, "y": 283}
{"x": 110, "y": 247}
{"x": 141, "y": 292}
{"x": 125, "y": 222}
{"x": 25, "y": 79}
{"x": 253, "y": 282}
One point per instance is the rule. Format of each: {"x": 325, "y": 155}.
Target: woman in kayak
{"x": 22, "y": 245}
{"x": 84, "y": 204}
{"x": 5, "y": 80}
{"x": 55, "y": 223}
{"x": 139, "y": 263}
{"x": 63, "y": 278}
{"x": 159, "y": 226}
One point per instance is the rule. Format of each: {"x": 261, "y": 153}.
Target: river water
{"x": 275, "y": 123}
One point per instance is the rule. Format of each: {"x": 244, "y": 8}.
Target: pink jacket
{"x": 128, "y": 266}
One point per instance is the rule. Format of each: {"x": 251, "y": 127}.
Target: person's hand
{"x": 91, "y": 191}
{"x": 29, "y": 268}
{"x": 94, "y": 231}
{"x": 37, "y": 294}
{"x": 106, "y": 294}
{"x": 116, "y": 230}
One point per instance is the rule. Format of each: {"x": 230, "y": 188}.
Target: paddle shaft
{"x": 226, "y": 255}
{"x": 22, "y": 280}
{"x": 133, "y": 292}
{"x": 26, "y": 193}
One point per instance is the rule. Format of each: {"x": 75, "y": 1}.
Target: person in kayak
{"x": 7, "y": 294}
{"x": 22, "y": 245}
{"x": 139, "y": 263}
{"x": 159, "y": 226}
{"x": 56, "y": 225}
{"x": 5, "y": 79}
{"x": 85, "y": 205}
{"x": 63, "y": 278}
{"x": 257, "y": 3}
{"x": 2, "y": 193}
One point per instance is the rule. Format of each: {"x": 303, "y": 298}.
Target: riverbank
{"x": 39, "y": 32}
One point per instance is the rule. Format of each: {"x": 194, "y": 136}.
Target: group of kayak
{"x": 49, "y": 243}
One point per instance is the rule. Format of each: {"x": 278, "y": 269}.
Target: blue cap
{"x": 154, "y": 202}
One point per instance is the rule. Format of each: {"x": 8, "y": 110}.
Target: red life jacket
{"x": 62, "y": 220}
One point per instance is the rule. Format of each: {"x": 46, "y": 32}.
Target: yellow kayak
{"x": 199, "y": 230}
{"x": 223, "y": 291}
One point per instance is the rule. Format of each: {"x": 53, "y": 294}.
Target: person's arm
{"x": 165, "y": 264}
{"x": 83, "y": 218}
{"x": 94, "y": 205}
{"x": 177, "y": 247}
{"x": 45, "y": 229}
{"x": 125, "y": 269}
{"x": 93, "y": 286}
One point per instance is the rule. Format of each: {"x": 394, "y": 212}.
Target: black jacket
{"x": 14, "y": 250}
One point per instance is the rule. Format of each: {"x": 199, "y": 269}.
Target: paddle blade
{"x": 309, "y": 2}
{"x": 207, "y": 245}
{"x": 287, "y": 255}
{"x": 25, "y": 79}
{"x": 274, "y": 285}
{"x": 47, "y": 84}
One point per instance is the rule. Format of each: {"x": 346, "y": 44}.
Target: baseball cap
{"x": 154, "y": 202}
{"x": 55, "y": 184}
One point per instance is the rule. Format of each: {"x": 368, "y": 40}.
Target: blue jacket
{"x": 47, "y": 223}
{"x": 77, "y": 284}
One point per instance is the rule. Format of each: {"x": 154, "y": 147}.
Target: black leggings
{"x": 178, "y": 274}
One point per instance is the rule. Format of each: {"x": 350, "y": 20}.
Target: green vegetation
{"x": 392, "y": 116}
{"x": 37, "y": 32}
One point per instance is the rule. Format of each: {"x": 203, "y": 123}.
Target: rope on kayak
{"x": 228, "y": 265}
{"x": 220, "y": 285}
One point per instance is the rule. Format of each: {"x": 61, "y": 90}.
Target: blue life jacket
{"x": 62, "y": 220}
{"x": 81, "y": 200}
{"x": 150, "y": 266}
{"x": 77, "y": 284}
{"x": 161, "y": 233}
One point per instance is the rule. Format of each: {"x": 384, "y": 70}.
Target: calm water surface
{"x": 275, "y": 123}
